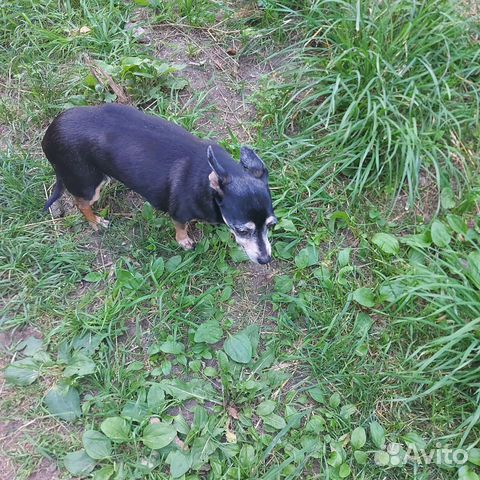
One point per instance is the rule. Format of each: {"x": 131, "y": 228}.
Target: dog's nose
{"x": 264, "y": 259}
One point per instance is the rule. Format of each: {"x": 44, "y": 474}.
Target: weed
{"x": 378, "y": 91}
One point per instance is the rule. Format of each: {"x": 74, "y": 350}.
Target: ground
{"x": 126, "y": 357}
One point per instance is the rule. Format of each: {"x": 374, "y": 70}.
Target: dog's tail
{"x": 56, "y": 194}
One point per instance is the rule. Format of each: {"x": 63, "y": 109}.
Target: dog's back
{"x": 86, "y": 144}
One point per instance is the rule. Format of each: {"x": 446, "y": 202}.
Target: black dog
{"x": 172, "y": 169}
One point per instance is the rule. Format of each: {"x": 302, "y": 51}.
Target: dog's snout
{"x": 264, "y": 259}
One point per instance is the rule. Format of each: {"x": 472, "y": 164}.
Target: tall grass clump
{"x": 378, "y": 90}
{"x": 438, "y": 301}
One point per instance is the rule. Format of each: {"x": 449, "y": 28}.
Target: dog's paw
{"x": 187, "y": 243}
{"x": 102, "y": 222}
{"x": 99, "y": 221}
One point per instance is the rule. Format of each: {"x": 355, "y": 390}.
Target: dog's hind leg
{"x": 181, "y": 235}
{"x": 85, "y": 206}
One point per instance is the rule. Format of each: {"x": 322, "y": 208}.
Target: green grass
{"x": 131, "y": 358}
{"x": 377, "y": 91}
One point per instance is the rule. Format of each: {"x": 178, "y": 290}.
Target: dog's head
{"x": 244, "y": 199}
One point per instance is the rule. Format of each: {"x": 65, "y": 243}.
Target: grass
{"x": 128, "y": 358}
{"x": 378, "y": 91}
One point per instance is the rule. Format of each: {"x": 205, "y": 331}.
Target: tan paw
{"x": 99, "y": 221}
{"x": 187, "y": 243}
{"x": 104, "y": 223}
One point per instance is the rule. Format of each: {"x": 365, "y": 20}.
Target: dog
{"x": 178, "y": 173}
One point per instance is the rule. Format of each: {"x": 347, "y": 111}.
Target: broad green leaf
{"x": 210, "y": 372}
{"x": 155, "y": 396}
{"x": 413, "y": 438}
{"x": 96, "y": 444}
{"x": 347, "y": 410}
{"x": 364, "y": 296}
{"x": 342, "y": 274}
{"x": 274, "y": 421}
{"x": 474, "y": 456}
{"x": 247, "y": 457}
{"x": 172, "y": 347}
{"x": 116, "y": 429}
{"x": 381, "y": 458}
{"x": 93, "y": 277}
{"x": 173, "y": 263}
{"x": 344, "y": 470}
{"x": 63, "y": 402}
{"x": 386, "y": 242}
{"x": 239, "y": 348}
{"x": 208, "y": 332}
{"x": 22, "y": 372}
{"x": 238, "y": 255}
{"x": 377, "y": 434}
{"x": 265, "y": 408}
{"x": 465, "y": 473}
{"x": 265, "y": 360}
{"x": 135, "y": 411}
{"x": 457, "y": 224}
{"x": 180, "y": 462}
{"x": 226, "y": 293}
{"x": 30, "y": 346}
{"x": 440, "y": 236}
{"x": 363, "y": 324}
{"x": 158, "y": 267}
{"x": 195, "y": 388}
{"x": 316, "y": 424}
{"x": 105, "y": 473}
{"x": 420, "y": 241}
{"x": 287, "y": 225}
{"x": 360, "y": 457}
{"x": 358, "y": 438}
{"x": 158, "y": 435}
{"x": 338, "y": 218}
{"x": 317, "y": 394}
{"x": 135, "y": 366}
{"x": 283, "y": 284}
{"x": 79, "y": 463}
{"x": 253, "y": 333}
{"x": 306, "y": 257}
{"x": 79, "y": 365}
{"x": 334, "y": 459}
{"x": 447, "y": 198}
{"x": 343, "y": 258}
{"x": 334, "y": 400}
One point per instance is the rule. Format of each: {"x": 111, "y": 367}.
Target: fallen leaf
{"x": 233, "y": 412}
{"x": 229, "y": 434}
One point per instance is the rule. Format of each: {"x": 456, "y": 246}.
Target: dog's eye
{"x": 271, "y": 223}
{"x": 243, "y": 232}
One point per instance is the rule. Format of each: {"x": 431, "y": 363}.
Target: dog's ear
{"x": 218, "y": 177}
{"x": 252, "y": 163}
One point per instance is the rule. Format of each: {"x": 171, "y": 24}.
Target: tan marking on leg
{"x": 181, "y": 235}
{"x": 86, "y": 209}
{"x": 96, "y": 195}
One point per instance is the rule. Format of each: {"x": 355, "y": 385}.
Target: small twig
{"x": 50, "y": 212}
{"x": 102, "y": 76}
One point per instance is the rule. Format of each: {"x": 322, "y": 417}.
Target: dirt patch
{"x": 226, "y": 78}
{"x": 249, "y": 305}
{"x": 46, "y": 470}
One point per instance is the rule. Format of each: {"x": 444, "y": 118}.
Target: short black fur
{"x": 161, "y": 161}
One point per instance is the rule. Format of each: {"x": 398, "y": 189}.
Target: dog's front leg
{"x": 181, "y": 235}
